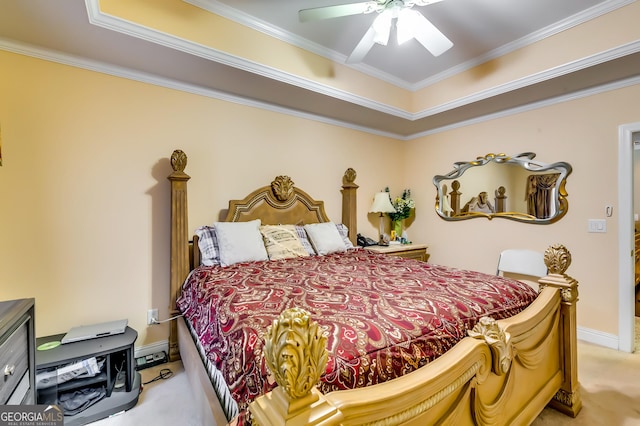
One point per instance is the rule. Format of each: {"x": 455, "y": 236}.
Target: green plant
{"x": 403, "y": 205}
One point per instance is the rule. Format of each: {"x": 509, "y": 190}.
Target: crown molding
{"x": 101, "y": 19}
{"x": 632, "y": 81}
{"x": 264, "y": 27}
{"x": 321, "y": 90}
{"x": 109, "y": 69}
{"x": 559, "y": 71}
{"x": 117, "y": 71}
{"x": 254, "y": 23}
{"x": 558, "y": 27}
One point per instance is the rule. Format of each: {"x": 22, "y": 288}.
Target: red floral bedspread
{"x": 385, "y": 316}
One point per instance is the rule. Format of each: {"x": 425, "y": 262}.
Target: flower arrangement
{"x": 403, "y": 205}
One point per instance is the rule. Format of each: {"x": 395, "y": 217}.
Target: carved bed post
{"x": 455, "y": 198}
{"x": 349, "y": 204}
{"x": 501, "y": 200}
{"x": 179, "y": 241}
{"x": 557, "y": 258}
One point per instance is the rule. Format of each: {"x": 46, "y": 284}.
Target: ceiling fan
{"x": 409, "y": 24}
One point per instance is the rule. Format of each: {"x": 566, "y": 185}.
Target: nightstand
{"x": 411, "y": 251}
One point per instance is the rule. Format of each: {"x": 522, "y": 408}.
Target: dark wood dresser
{"x": 17, "y": 352}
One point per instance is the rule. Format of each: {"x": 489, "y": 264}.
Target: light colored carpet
{"x": 162, "y": 402}
{"x": 610, "y": 389}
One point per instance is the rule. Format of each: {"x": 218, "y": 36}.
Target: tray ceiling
{"x": 480, "y": 29}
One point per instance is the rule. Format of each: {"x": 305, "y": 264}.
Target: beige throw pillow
{"x": 282, "y": 242}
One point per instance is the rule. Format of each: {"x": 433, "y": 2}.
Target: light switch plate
{"x": 597, "y": 225}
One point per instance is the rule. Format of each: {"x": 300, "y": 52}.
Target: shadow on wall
{"x": 160, "y": 247}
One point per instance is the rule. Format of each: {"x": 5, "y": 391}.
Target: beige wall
{"x": 583, "y": 132}
{"x": 85, "y": 207}
{"x": 84, "y": 218}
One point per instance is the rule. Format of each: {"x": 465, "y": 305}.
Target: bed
{"x": 505, "y": 371}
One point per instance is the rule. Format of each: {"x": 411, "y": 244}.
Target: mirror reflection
{"x": 496, "y": 185}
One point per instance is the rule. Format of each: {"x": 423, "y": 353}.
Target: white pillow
{"x": 325, "y": 237}
{"x": 240, "y": 242}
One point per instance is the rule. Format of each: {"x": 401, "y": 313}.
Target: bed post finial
{"x": 350, "y": 175}
{"x": 178, "y": 160}
{"x": 557, "y": 258}
{"x": 295, "y": 350}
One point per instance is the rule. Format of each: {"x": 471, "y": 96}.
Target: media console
{"x": 117, "y": 351}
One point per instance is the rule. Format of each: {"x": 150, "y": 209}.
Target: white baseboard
{"x": 161, "y": 346}
{"x": 599, "y": 338}
{"x": 585, "y": 334}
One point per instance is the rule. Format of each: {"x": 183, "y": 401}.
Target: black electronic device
{"x": 147, "y": 361}
{"x": 365, "y": 241}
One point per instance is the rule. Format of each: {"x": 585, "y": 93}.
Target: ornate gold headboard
{"x": 279, "y": 203}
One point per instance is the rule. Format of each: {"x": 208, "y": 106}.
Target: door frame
{"x": 626, "y": 240}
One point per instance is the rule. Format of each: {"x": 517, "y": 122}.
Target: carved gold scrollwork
{"x": 569, "y": 295}
{"x": 557, "y": 258}
{"x": 295, "y": 352}
{"x": 282, "y": 187}
{"x": 499, "y": 342}
{"x": 567, "y": 398}
{"x": 178, "y": 160}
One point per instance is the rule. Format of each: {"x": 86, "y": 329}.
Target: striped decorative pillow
{"x": 282, "y": 242}
{"x": 208, "y": 245}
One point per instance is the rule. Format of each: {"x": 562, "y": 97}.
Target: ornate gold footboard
{"x": 504, "y": 373}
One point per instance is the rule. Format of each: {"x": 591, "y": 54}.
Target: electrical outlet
{"x": 152, "y": 316}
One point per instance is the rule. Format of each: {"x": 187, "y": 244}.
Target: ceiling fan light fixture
{"x": 407, "y": 24}
{"x": 382, "y": 27}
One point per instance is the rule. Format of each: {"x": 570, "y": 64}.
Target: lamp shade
{"x": 382, "y": 204}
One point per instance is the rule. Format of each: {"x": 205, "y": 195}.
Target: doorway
{"x": 635, "y": 137}
{"x": 626, "y": 241}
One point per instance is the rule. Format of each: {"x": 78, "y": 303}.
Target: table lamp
{"x": 382, "y": 204}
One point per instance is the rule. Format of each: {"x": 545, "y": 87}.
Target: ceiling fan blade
{"x": 430, "y": 37}
{"x": 329, "y": 12}
{"x": 363, "y": 47}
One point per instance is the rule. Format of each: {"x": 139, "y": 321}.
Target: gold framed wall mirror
{"x": 497, "y": 185}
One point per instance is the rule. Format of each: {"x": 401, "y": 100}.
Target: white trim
{"x": 572, "y": 21}
{"x": 252, "y": 22}
{"x": 559, "y": 71}
{"x": 97, "y": 66}
{"x": 152, "y": 348}
{"x": 632, "y": 81}
{"x": 598, "y": 338}
{"x": 626, "y": 243}
{"x": 96, "y": 17}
